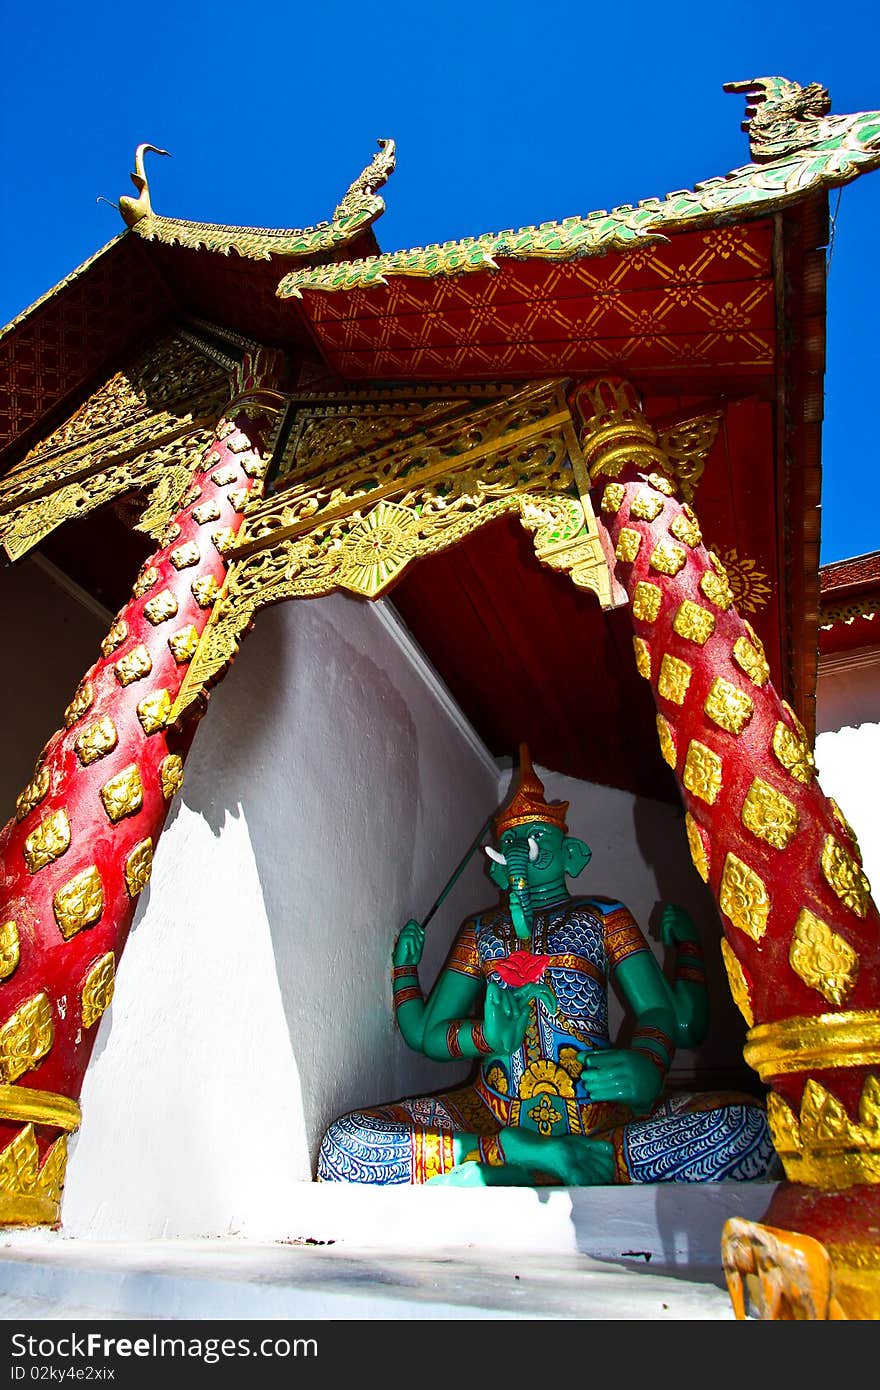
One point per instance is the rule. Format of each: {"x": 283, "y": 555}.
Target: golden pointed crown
{"x": 528, "y": 803}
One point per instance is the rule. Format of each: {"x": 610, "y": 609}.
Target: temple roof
{"x": 711, "y": 301}
{"x": 849, "y": 614}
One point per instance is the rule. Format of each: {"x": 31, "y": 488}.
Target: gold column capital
{"x": 615, "y": 432}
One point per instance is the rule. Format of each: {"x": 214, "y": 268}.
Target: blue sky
{"x": 503, "y": 114}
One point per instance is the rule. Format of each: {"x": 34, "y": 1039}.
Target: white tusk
{"x": 493, "y": 854}
{"x": 533, "y": 848}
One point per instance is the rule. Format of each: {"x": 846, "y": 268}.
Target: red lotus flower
{"x": 522, "y": 968}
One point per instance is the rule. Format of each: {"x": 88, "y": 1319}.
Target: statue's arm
{"x": 409, "y": 1001}
{"x": 635, "y": 1075}
{"x": 450, "y": 1028}
{"x": 691, "y": 998}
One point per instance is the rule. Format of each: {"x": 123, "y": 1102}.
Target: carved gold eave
{"x": 796, "y": 153}
{"x": 166, "y": 468}
{"x": 139, "y": 430}
{"x": 354, "y": 522}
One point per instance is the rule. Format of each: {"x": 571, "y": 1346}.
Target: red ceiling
{"x": 528, "y": 656}
{"x": 699, "y": 309}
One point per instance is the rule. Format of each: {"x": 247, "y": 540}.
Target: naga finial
{"x": 133, "y": 209}
{"x": 781, "y": 116}
{"x": 360, "y": 201}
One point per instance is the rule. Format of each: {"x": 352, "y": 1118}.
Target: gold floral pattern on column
{"x": 728, "y": 706}
{"x": 48, "y": 842}
{"x": 171, "y": 775}
{"x": 743, "y": 898}
{"x": 646, "y": 601}
{"x": 205, "y": 590}
{"x": 160, "y": 608}
{"x": 79, "y": 902}
{"x": 845, "y": 876}
{"x": 667, "y": 740}
{"x": 134, "y": 666}
{"x": 667, "y": 558}
{"x": 96, "y": 741}
{"x": 751, "y": 661}
{"x": 185, "y": 555}
{"x": 698, "y": 843}
{"x": 153, "y": 711}
{"x": 82, "y": 701}
{"x": 643, "y": 657}
{"x": 685, "y": 528}
{"x": 29, "y": 1193}
{"x": 646, "y": 505}
{"x": 9, "y": 949}
{"x": 123, "y": 795}
{"x": 26, "y": 1037}
{"x": 183, "y": 644}
{"x": 207, "y": 511}
{"x": 702, "y": 771}
{"x": 628, "y": 545}
{"x": 115, "y": 637}
{"x": 32, "y": 794}
{"x": 793, "y": 753}
{"x": 822, "y": 958}
{"x": 224, "y": 476}
{"x": 739, "y": 987}
{"x": 612, "y": 498}
{"x": 138, "y": 867}
{"x": 674, "y": 679}
{"x": 97, "y": 990}
{"x": 717, "y": 590}
{"x": 694, "y": 623}
{"x": 822, "y": 1146}
{"x": 223, "y": 539}
{"x": 769, "y": 814}
{"x": 145, "y": 581}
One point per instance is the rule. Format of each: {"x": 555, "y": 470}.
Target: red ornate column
{"x": 80, "y": 848}
{"x": 801, "y": 942}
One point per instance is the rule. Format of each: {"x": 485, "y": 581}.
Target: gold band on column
{"x": 39, "y": 1107}
{"x": 850, "y": 1039}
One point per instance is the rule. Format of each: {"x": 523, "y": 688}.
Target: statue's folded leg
{"x": 696, "y": 1138}
{"x": 411, "y": 1141}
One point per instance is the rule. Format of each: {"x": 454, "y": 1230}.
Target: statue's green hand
{"x": 506, "y": 1014}
{"x": 541, "y": 992}
{"x": 621, "y": 1075}
{"x": 576, "y": 1160}
{"x": 676, "y": 924}
{"x": 409, "y": 945}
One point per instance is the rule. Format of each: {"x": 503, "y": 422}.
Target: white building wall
{"x": 328, "y": 796}
{"x": 848, "y": 744}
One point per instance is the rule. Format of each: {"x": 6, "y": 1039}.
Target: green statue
{"x": 524, "y": 992}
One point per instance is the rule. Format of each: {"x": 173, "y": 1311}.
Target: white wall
{"x": 329, "y": 794}
{"x": 848, "y": 744}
